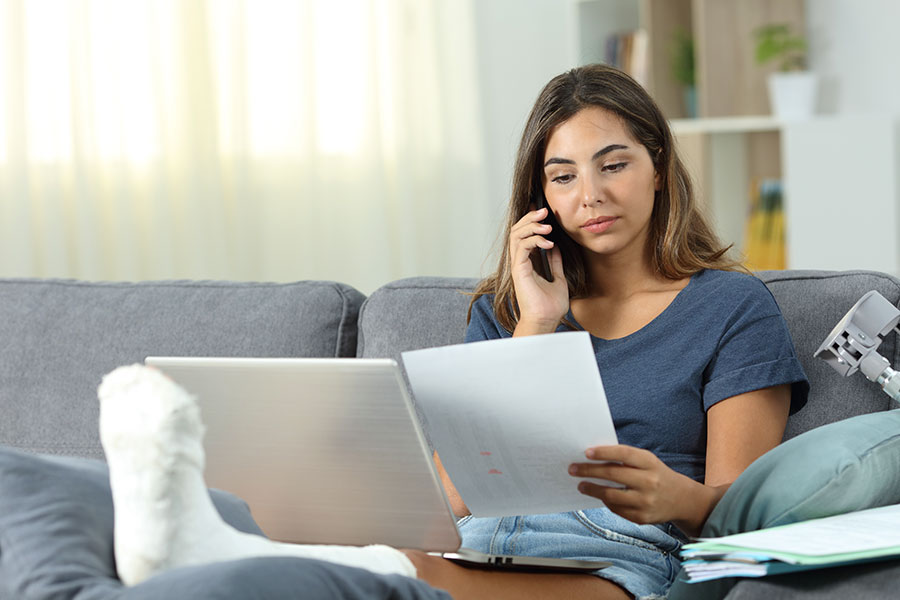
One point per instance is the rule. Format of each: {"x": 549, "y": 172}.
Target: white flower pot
{"x": 793, "y": 94}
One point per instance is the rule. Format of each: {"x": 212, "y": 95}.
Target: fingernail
{"x": 589, "y": 453}
{"x": 573, "y": 470}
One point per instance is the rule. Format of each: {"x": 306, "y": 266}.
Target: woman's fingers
{"x": 634, "y": 468}
{"x": 530, "y": 225}
{"x": 624, "y": 454}
{"x": 612, "y": 496}
{"x": 630, "y": 477}
{"x": 528, "y": 235}
{"x": 556, "y": 265}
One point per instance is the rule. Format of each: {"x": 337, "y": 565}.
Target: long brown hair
{"x": 682, "y": 241}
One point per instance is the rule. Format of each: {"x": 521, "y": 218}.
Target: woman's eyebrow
{"x": 598, "y": 154}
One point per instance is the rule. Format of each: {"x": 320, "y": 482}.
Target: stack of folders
{"x": 850, "y": 538}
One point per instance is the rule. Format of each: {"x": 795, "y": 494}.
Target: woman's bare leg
{"x": 464, "y": 583}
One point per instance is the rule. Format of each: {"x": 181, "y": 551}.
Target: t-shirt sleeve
{"x": 755, "y": 351}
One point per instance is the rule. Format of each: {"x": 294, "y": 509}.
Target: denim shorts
{"x": 644, "y": 557}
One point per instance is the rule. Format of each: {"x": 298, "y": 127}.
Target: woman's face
{"x": 600, "y": 183}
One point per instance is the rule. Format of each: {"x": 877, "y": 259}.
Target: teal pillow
{"x": 841, "y": 467}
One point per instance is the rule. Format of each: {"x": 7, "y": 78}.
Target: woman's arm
{"x": 739, "y": 430}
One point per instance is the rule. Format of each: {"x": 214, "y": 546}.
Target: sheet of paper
{"x": 508, "y": 417}
{"x": 841, "y": 537}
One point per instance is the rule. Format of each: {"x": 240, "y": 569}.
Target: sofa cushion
{"x": 874, "y": 581}
{"x": 414, "y": 313}
{"x": 60, "y": 337}
{"x": 812, "y": 303}
{"x": 56, "y": 541}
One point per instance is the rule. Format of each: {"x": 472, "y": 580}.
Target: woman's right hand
{"x": 542, "y": 304}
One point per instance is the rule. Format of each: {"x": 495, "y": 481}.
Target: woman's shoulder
{"x": 735, "y": 283}
{"x": 483, "y": 323}
{"x": 483, "y": 305}
{"x": 736, "y": 289}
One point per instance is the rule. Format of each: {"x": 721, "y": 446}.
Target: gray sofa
{"x": 60, "y": 336}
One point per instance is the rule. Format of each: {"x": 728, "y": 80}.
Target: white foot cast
{"x": 152, "y": 434}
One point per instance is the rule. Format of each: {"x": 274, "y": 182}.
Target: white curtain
{"x": 241, "y": 139}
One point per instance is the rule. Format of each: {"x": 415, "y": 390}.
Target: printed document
{"x": 509, "y": 416}
{"x": 820, "y": 540}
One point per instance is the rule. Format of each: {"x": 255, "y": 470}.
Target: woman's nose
{"x": 591, "y": 191}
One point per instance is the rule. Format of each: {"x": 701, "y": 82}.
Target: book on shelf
{"x": 851, "y": 538}
{"x": 764, "y": 237}
{"x": 628, "y": 51}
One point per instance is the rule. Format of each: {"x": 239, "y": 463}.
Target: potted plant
{"x": 682, "y": 63}
{"x": 792, "y": 88}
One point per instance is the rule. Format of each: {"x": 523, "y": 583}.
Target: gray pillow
{"x": 56, "y": 541}
{"x": 56, "y": 524}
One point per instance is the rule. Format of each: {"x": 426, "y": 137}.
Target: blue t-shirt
{"x": 721, "y": 336}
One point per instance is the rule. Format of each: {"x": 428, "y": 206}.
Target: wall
{"x": 854, "y": 47}
{"x": 521, "y": 45}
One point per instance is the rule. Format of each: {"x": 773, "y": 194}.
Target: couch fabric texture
{"x": 60, "y": 337}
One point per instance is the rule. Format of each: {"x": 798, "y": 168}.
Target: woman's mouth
{"x": 599, "y": 225}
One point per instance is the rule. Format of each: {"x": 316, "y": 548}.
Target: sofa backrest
{"x": 59, "y": 337}
{"x": 421, "y": 312}
{"x": 414, "y": 313}
{"x": 813, "y": 302}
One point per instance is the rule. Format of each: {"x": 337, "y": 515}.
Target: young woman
{"x": 697, "y": 363}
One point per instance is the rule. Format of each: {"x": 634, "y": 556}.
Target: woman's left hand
{"x": 653, "y": 492}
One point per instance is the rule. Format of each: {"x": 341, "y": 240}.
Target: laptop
{"x": 329, "y": 451}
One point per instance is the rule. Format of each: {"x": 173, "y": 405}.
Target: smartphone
{"x": 543, "y": 261}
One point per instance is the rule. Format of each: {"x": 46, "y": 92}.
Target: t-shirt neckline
{"x": 648, "y": 326}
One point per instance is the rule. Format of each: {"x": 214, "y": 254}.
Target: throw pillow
{"x": 56, "y": 523}
{"x": 56, "y": 541}
{"x": 841, "y": 467}
{"x": 837, "y": 468}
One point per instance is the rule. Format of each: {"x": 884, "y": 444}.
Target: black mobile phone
{"x": 543, "y": 261}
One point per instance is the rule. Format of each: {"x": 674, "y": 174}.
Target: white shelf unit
{"x": 724, "y": 156}
{"x": 840, "y": 176}
{"x": 725, "y": 125}
{"x": 842, "y": 192}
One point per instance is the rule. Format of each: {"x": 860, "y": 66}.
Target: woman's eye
{"x": 562, "y": 179}
{"x": 615, "y": 167}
